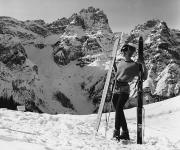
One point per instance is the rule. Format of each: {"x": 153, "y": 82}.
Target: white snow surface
{"x": 27, "y": 131}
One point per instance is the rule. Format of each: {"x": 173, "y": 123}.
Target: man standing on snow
{"x": 126, "y": 70}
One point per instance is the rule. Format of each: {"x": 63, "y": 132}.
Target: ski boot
{"x": 124, "y": 135}
{"x": 116, "y": 135}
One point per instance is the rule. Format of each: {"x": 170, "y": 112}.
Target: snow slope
{"x": 66, "y": 79}
{"x": 25, "y": 130}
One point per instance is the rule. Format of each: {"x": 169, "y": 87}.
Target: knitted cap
{"x": 128, "y": 46}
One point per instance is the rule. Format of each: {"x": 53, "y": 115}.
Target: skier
{"x": 126, "y": 70}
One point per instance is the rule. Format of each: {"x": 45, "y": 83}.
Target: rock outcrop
{"x": 162, "y": 55}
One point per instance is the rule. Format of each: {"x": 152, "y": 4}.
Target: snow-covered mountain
{"x": 50, "y": 66}
{"x": 60, "y": 67}
{"x": 162, "y": 57}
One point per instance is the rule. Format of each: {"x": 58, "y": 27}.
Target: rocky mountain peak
{"x": 153, "y": 26}
{"x": 153, "y": 31}
{"x": 40, "y": 22}
{"x": 58, "y": 26}
{"x": 95, "y": 19}
{"x": 162, "y": 55}
{"x": 88, "y": 32}
{"x": 147, "y": 25}
{"x": 10, "y": 20}
{"x": 89, "y": 10}
{"x": 77, "y": 20}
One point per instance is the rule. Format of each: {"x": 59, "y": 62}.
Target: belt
{"x": 122, "y": 87}
{"x": 119, "y": 83}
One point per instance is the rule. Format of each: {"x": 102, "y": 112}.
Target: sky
{"x": 123, "y": 15}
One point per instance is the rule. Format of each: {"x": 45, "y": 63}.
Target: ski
{"x": 140, "y": 95}
{"x": 106, "y": 86}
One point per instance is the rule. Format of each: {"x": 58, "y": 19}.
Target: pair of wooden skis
{"x": 140, "y": 90}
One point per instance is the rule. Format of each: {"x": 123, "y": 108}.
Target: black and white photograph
{"x": 90, "y": 74}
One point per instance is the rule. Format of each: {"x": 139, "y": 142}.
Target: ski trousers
{"x": 119, "y": 100}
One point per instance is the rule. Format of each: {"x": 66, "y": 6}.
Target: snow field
{"x": 25, "y": 130}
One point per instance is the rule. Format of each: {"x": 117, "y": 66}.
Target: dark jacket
{"x": 126, "y": 71}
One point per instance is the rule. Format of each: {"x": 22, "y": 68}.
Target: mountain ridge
{"x": 61, "y": 66}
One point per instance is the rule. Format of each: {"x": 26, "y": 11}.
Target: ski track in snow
{"x": 25, "y": 130}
